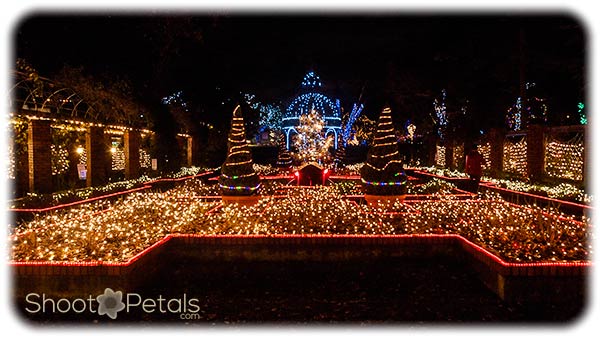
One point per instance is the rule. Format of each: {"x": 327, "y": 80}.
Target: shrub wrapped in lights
{"x": 383, "y": 173}
{"x": 238, "y": 177}
{"x": 284, "y": 159}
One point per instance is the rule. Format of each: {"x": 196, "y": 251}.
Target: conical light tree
{"x": 284, "y": 158}
{"x": 237, "y": 173}
{"x": 383, "y": 173}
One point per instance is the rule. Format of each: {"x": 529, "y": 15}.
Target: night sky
{"x": 400, "y": 59}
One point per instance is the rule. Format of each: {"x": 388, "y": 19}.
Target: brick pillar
{"x": 431, "y": 149}
{"x": 132, "y": 154}
{"x": 190, "y": 152}
{"x": 97, "y": 156}
{"x": 535, "y": 152}
{"x": 182, "y": 152}
{"x": 459, "y": 163}
{"x": 496, "y": 139}
{"x": 193, "y": 151}
{"x": 21, "y": 173}
{"x": 39, "y": 140}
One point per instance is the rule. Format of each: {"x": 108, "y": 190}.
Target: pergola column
{"x": 97, "y": 156}
{"x": 132, "y": 154}
{"x": 535, "y": 152}
{"x": 191, "y": 150}
{"x": 496, "y": 139}
{"x": 39, "y": 144}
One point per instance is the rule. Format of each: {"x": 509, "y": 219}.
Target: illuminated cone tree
{"x": 284, "y": 158}
{"x": 237, "y": 174}
{"x": 383, "y": 173}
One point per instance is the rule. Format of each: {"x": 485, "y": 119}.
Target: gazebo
{"x": 311, "y": 98}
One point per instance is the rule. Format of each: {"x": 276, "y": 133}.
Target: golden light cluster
{"x": 60, "y": 159}
{"x": 145, "y": 159}
{"x": 515, "y": 157}
{"x": 458, "y": 155}
{"x": 564, "y": 159}
{"x": 485, "y": 150}
{"x": 563, "y": 191}
{"x": 117, "y": 158}
{"x": 440, "y": 155}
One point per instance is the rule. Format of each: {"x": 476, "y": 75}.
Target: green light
{"x": 582, "y": 116}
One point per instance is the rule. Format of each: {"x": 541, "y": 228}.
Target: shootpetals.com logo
{"x": 112, "y": 302}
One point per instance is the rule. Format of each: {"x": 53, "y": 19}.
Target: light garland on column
{"x": 515, "y": 157}
{"x": 60, "y": 160}
{"x": 564, "y": 159}
{"x": 145, "y": 159}
{"x": 117, "y": 158}
{"x": 485, "y": 150}
{"x": 440, "y": 155}
{"x": 458, "y": 155}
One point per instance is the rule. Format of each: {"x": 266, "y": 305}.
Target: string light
{"x": 439, "y": 107}
{"x": 411, "y": 129}
{"x": 145, "y": 159}
{"x": 356, "y": 110}
{"x": 310, "y": 143}
{"x": 237, "y": 173}
{"x": 60, "y": 160}
{"x": 485, "y": 150}
{"x": 440, "y": 155}
{"x": 515, "y": 157}
{"x": 458, "y": 155}
{"x": 383, "y": 173}
{"x": 514, "y": 115}
{"x": 117, "y": 158}
{"x": 562, "y": 191}
{"x": 564, "y": 159}
{"x": 12, "y": 161}
{"x": 311, "y": 100}
{"x": 582, "y": 116}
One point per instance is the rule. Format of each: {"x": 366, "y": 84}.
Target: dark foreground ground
{"x": 374, "y": 292}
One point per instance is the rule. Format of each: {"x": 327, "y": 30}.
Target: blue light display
{"x": 356, "y": 110}
{"x": 175, "y": 99}
{"x": 311, "y": 99}
{"x": 514, "y": 115}
{"x": 311, "y": 80}
{"x": 441, "y": 115}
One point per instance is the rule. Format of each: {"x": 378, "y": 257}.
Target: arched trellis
{"x": 43, "y": 95}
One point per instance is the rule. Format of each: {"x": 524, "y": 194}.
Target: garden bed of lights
{"x": 562, "y": 191}
{"x": 127, "y": 239}
{"x": 521, "y": 197}
{"x": 116, "y": 230}
{"x": 21, "y": 214}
